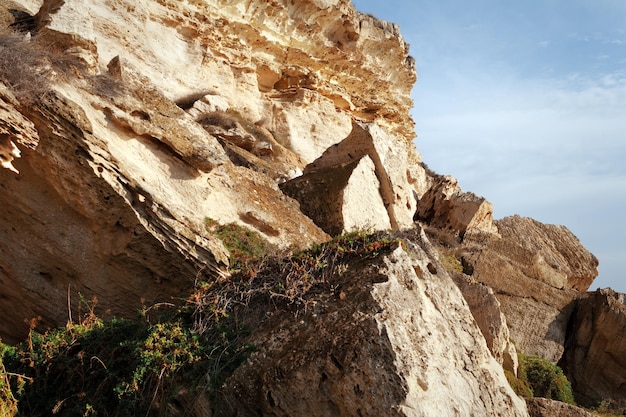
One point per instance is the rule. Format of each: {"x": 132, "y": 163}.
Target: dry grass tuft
{"x": 29, "y": 65}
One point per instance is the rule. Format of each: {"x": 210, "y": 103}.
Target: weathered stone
{"x": 535, "y": 271}
{"x": 446, "y": 206}
{"x": 367, "y": 353}
{"x": 341, "y": 198}
{"x": 543, "y": 407}
{"x": 595, "y": 352}
{"x": 397, "y": 186}
{"x": 68, "y": 27}
{"x": 488, "y": 314}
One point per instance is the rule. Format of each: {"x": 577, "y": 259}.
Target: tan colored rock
{"x": 367, "y": 353}
{"x": 68, "y": 27}
{"x": 266, "y": 48}
{"x": 308, "y": 114}
{"x": 111, "y": 202}
{"x": 14, "y": 129}
{"x": 595, "y": 352}
{"x": 532, "y": 268}
{"x": 397, "y": 185}
{"x": 488, "y": 314}
{"x": 341, "y": 198}
{"x": 560, "y": 259}
{"x": 543, "y": 407}
{"x": 446, "y": 206}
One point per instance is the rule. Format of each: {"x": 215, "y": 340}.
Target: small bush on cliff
{"x": 28, "y": 65}
{"x": 130, "y": 368}
{"x": 293, "y": 282}
{"x": 539, "y": 377}
{"x": 547, "y": 380}
{"x": 8, "y": 403}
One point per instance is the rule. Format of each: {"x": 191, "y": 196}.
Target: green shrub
{"x": 137, "y": 368}
{"x": 519, "y": 384}
{"x": 547, "y": 380}
{"x": 119, "y": 367}
{"x": 8, "y": 403}
{"x": 538, "y": 377}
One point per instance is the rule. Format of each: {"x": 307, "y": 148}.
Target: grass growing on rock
{"x": 163, "y": 362}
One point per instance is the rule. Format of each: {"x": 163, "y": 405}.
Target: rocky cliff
{"x": 131, "y": 130}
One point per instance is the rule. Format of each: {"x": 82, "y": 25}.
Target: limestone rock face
{"x": 395, "y": 188}
{"x": 536, "y": 272}
{"x": 276, "y": 60}
{"x": 595, "y": 352}
{"x": 543, "y": 407}
{"x": 419, "y": 351}
{"x": 446, "y": 206}
{"x": 120, "y": 158}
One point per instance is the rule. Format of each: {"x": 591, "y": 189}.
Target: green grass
{"x": 243, "y": 244}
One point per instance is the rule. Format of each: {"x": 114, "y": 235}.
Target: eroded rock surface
{"x": 343, "y": 198}
{"x": 488, "y": 314}
{"x": 595, "y": 352}
{"x": 419, "y": 351}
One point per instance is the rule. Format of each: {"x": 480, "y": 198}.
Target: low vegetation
{"x": 610, "y": 408}
{"x": 30, "y": 65}
{"x": 146, "y": 366}
{"x": 538, "y": 377}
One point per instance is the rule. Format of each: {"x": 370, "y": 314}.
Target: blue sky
{"x": 525, "y": 103}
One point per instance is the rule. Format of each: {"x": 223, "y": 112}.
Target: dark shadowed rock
{"x": 595, "y": 352}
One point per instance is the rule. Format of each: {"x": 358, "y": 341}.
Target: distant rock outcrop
{"x": 595, "y": 351}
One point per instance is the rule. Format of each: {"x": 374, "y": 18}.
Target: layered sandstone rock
{"x": 419, "y": 351}
{"x": 595, "y": 352}
{"x": 536, "y": 271}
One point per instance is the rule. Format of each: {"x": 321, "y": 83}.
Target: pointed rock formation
{"x": 446, "y": 206}
{"x": 342, "y": 198}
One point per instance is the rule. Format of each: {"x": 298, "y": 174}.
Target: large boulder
{"x": 446, "y": 206}
{"x": 396, "y": 339}
{"x": 537, "y": 272}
